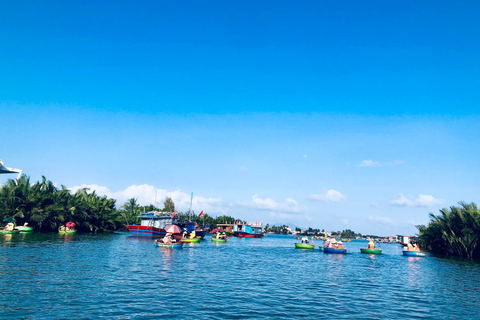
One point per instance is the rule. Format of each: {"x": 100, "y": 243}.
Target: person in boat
{"x": 340, "y": 245}
{"x": 25, "y": 224}
{"x": 62, "y": 228}
{"x": 193, "y": 235}
{"x": 371, "y": 244}
{"x": 305, "y": 239}
{"x": 9, "y": 226}
{"x": 167, "y": 239}
{"x": 416, "y": 247}
{"x": 185, "y": 234}
{"x": 410, "y": 246}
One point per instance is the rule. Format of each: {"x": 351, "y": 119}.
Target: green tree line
{"x": 455, "y": 231}
{"x": 46, "y": 207}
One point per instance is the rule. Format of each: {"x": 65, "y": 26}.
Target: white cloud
{"x": 290, "y": 205}
{"x": 373, "y": 204}
{"x": 423, "y": 200}
{"x": 381, "y": 220}
{"x": 243, "y": 168}
{"x": 145, "y": 195}
{"x": 370, "y": 163}
{"x": 330, "y": 196}
{"x": 305, "y": 156}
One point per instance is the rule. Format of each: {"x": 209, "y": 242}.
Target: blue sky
{"x": 326, "y": 114}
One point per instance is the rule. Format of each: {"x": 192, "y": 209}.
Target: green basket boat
{"x": 10, "y": 232}
{"x": 371, "y": 251}
{"x": 67, "y": 232}
{"x": 24, "y": 229}
{"x": 218, "y": 240}
{"x": 194, "y": 240}
{"x": 304, "y": 246}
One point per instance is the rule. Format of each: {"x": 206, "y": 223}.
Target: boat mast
{"x": 190, "y": 210}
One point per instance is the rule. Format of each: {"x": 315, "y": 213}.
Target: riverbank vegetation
{"x": 454, "y": 232}
{"x": 46, "y": 208}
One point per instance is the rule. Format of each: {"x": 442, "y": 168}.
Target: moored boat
{"x": 177, "y": 245}
{"x": 371, "y": 251}
{"x": 304, "y": 246}
{"x": 214, "y": 239}
{"x": 152, "y": 224}
{"x": 410, "y": 253}
{"x": 334, "y": 250}
{"x": 243, "y": 230}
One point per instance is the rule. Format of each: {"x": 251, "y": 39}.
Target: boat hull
{"x": 146, "y": 231}
{"x": 195, "y": 240}
{"x": 170, "y": 246}
{"x": 67, "y": 232}
{"x": 10, "y": 232}
{"x": 413, "y": 253}
{"x": 218, "y": 240}
{"x": 334, "y": 250}
{"x": 304, "y": 246}
{"x": 371, "y": 251}
{"x": 246, "y": 235}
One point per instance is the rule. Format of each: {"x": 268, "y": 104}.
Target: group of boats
{"x": 336, "y": 247}
{"x": 11, "y": 228}
{"x": 170, "y": 233}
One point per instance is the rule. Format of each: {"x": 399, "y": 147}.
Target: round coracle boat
{"x": 67, "y": 232}
{"x": 24, "y": 229}
{"x": 413, "y": 253}
{"x": 176, "y": 245}
{"x": 188, "y": 240}
{"x": 10, "y": 232}
{"x": 304, "y": 246}
{"x": 219, "y": 239}
{"x": 334, "y": 250}
{"x": 371, "y": 251}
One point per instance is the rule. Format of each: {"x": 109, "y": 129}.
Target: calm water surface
{"x": 115, "y": 276}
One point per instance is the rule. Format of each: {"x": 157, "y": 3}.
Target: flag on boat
{"x": 173, "y": 214}
{"x": 201, "y": 214}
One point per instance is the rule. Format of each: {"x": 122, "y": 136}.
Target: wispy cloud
{"x": 423, "y": 200}
{"x": 145, "y": 195}
{"x": 370, "y": 163}
{"x": 330, "y": 196}
{"x": 381, "y": 220}
{"x": 289, "y": 206}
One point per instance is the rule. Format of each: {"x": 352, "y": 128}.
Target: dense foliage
{"x": 46, "y": 208}
{"x": 455, "y": 231}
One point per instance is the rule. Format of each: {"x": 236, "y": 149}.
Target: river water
{"x": 115, "y": 276}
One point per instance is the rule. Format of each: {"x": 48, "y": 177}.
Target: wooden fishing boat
{"x": 188, "y": 240}
{"x": 243, "y": 230}
{"x": 371, "y": 251}
{"x": 10, "y": 232}
{"x": 413, "y": 253}
{"x": 67, "y": 232}
{"x": 304, "y": 246}
{"x": 334, "y": 250}
{"x": 24, "y": 229}
{"x": 160, "y": 244}
{"x": 214, "y": 239}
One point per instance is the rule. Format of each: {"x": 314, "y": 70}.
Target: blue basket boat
{"x": 334, "y": 250}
